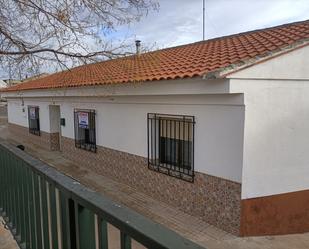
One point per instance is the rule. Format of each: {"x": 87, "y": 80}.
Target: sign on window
{"x": 83, "y": 120}
{"x": 32, "y": 112}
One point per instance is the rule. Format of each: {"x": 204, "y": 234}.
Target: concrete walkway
{"x": 6, "y": 239}
{"x": 186, "y": 225}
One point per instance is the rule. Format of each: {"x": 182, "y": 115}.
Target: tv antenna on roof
{"x": 204, "y": 17}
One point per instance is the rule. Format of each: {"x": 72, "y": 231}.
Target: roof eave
{"x": 241, "y": 65}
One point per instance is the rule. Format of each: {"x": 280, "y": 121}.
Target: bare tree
{"x": 37, "y": 33}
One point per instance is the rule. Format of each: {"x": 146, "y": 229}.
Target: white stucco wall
{"x": 292, "y": 65}
{"x": 2, "y": 84}
{"x": 121, "y": 124}
{"x": 276, "y": 140}
{"x": 17, "y": 116}
{"x": 274, "y": 148}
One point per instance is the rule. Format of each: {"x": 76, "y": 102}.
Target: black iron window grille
{"x": 171, "y": 145}
{"x": 84, "y": 127}
{"x": 34, "y": 120}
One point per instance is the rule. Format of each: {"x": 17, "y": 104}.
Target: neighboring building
{"x": 3, "y": 84}
{"x": 12, "y": 82}
{"x": 38, "y": 76}
{"x": 225, "y": 120}
{"x": 9, "y": 82}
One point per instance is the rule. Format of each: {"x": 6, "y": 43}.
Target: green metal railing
{"x": 45, "y": 209}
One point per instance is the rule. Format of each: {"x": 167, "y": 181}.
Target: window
{"x": 171, "y": 145}
{"x": 34, "y": 120}
{"x": 85, "y": 137}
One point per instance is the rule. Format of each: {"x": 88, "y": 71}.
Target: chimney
{"x": 138, "y": 46}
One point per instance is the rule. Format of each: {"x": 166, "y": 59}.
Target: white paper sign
{"x": 83, "y": 120}
{"x": 32, "y": 113}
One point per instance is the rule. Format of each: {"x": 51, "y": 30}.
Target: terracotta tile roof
{"x": 186, "y": 61}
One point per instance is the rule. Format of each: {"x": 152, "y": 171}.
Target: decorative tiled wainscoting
{"x": 213, "y": 199}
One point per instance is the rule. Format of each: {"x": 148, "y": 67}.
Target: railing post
{"x": 22, "y": 207}
{"x": 14, "y": 216}
{"x": 76, "y": 221}
{"x": 125, "y": 241}
{"x": 9, "y": 190}
{"x": 18, "y": 198}
{"x": 65, "y": 221}
{"x": 45, "y": 222}
{"x": 102, "y": 233}
{"x": 6, "y": 186}
{"x": 37, "y": 210}
{"x": 59, "y": 218}
{"x": 49, "y": 210}
{"x": 86, "y": 227}
{"x": 27, "y": 228}
{"x": 32, "y": 218}
{"x": 53, "y": 214}
{"x": 2, "y": 179}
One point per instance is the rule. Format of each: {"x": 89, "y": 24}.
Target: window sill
{"x": 87, "y": 147}
{"x": 174, "y": 171}
{"x": 35, "y": 133}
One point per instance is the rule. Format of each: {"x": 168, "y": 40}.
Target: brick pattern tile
{"x": 215, "y": 200}
{"x": 54, "y": 141}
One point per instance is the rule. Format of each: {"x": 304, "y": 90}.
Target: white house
{"x": 218, "y": 128}
{"x": 2, "y": 84}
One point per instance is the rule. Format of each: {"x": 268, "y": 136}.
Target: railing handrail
{"x": 138, "y": 227}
